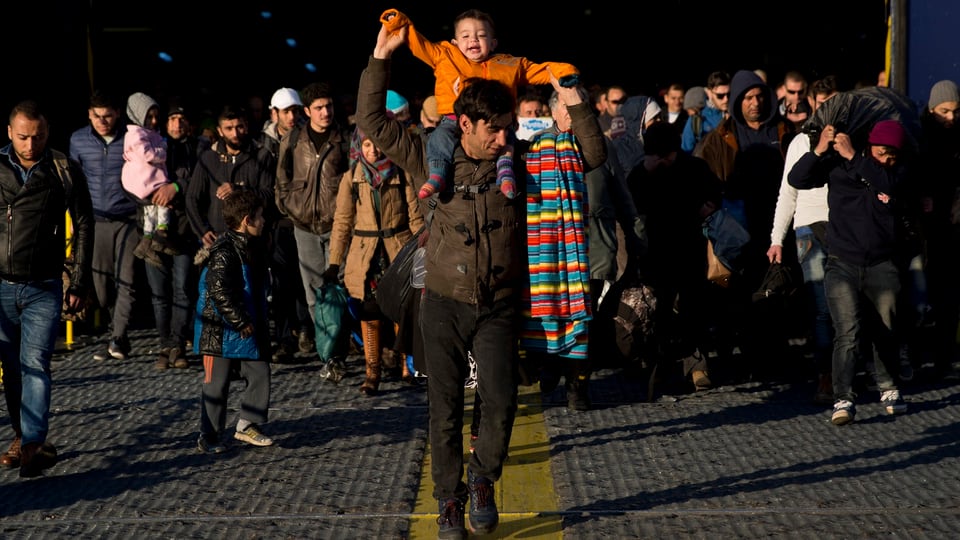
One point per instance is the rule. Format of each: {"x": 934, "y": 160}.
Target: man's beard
{"x": 236, "y": 146}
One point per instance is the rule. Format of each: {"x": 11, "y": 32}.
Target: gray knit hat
{"x": 695, "y": 98}
{"x": 945, "y": 90}
{"x": 137, "y": 106}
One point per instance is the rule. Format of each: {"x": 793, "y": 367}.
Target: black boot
{"x": 578, "y": 386}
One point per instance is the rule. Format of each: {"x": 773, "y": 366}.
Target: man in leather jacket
{"x": 37, "y": 185}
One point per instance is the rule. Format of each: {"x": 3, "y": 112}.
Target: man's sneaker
{"x": 119, "y": 348}
{"x": 102, "y": 354}
{"x": 252, "y": 435}
{"x": 210, "y": 444}
{"x": 333, "y": 370}
{"x": 843, "y": 412}
{"x": 892, "y": 402}
{"x": 484, "y": 517}
{"x": 451, "y": 519}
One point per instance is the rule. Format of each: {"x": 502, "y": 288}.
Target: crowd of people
{"x": 243, "y": 229}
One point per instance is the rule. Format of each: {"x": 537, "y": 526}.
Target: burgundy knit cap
{"x": 887, "y": 133}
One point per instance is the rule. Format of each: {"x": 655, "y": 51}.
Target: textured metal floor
{"x": 749, "y": 460}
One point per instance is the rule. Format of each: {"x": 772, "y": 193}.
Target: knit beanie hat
{"x": 175, "y": 106}
{"x": 396, "y": 103}
{"x": 943, "y": 91}
{"x": 430, "y": 107}
{"x": 138, "y": 105}
{"x": 695, "y": 98}
{"x": 887, "y": 133}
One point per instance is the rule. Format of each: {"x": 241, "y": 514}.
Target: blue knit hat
{"x": 396, "y": 103}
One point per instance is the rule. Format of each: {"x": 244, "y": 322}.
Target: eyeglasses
{"x": 796, "y": 91}
{"x": 618, "y": 101}
{"x": 720, "y": 96}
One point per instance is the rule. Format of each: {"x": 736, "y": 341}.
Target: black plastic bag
{"x": 395, "y": 287}
{"x": 855, "y": 112}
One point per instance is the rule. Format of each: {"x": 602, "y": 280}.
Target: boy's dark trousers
{"x": 216, "y": 387}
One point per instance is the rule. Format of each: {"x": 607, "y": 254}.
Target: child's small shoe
{"x": 428, "y": 189}
{"x": 508, "y": 188}
{"x": 505, "y": 179}
{"x": 161, "y": 242}
{"x": 152, "y": 258}
{"x": 144, "y": 247}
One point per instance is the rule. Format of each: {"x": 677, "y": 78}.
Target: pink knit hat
{"x": 887, "y": 133}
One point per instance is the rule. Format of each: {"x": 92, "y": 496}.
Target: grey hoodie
{"x": 138, "y": 104}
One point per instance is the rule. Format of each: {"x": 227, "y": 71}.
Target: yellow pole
{"x": 68, "y": 339}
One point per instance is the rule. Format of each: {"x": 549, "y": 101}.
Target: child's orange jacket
{"x": 451, "y": 68}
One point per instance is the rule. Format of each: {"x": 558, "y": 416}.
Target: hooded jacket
{"x": 144, "y": 151}
{"x": 861, "y": 228}
{"x": 451, "y": 68}
{"x": 722, "y": 144}
{"x": 749, "y": 161}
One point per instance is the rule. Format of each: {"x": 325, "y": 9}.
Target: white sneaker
{"x": 843, "y": 412}
{"x": 892, "y": 402}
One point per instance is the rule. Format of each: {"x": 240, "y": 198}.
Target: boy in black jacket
{"x": 232, "y": 326}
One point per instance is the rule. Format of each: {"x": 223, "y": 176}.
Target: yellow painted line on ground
{"x": 525, "y": 494}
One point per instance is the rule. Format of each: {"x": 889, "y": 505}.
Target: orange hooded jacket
{"x": 451, "y": 68}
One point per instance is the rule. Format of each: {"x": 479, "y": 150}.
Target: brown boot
{"x": 162, "y": 362}
{"x": 11, "y": 459}
{"x": 35, "y": 458}
{"x": 394, "y": 358}
{"x": 701, "y": 379}
{"x": 371, "y": 351}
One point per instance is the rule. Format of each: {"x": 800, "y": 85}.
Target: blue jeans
{"x": 171, "y": 303}
{"x": 29, "y": 324}
{"x": 862, "y": 300}
{"x": 440, "y": 145}
{"x": 813, "y": 260}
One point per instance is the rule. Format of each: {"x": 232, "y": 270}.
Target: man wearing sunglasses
{"x": 794, "y": 104}
{"x": 715, "y": 111}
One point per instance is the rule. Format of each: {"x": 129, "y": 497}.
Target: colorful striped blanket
{"x": 557, "y": 304}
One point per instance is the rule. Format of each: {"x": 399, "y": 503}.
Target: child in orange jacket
{"x": 470, "y": 54}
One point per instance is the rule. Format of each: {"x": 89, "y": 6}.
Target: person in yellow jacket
{"x": 470, "y": 54}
